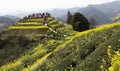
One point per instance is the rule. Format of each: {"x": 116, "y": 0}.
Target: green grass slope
{"x": 93, "y": 50}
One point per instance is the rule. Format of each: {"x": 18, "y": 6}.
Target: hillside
{"x": 92, "y": 50}
{"x": 116, "y": 18}
{"x": 32, "y": 25}
{"x": 24, "y": 34}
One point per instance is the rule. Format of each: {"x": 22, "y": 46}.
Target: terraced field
{"x": 29, "y": 24}
{"x": 91, "y": 50}
{"x": 33, "y": 25}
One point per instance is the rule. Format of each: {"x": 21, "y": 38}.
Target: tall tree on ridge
{"x": 69, "y": 17}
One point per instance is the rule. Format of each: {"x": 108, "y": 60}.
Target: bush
{"x": 79, "y": 22}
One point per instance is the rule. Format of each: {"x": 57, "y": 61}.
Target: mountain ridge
{"x": 107, "y": 9}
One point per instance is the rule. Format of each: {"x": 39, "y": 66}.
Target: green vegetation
{"x": 79, "y": 22}
{"x": 32, "y": 26}
{"x": 115, "y": 62}
{"x": 29, "y": 59}
{"x": 59, "y": 24}
{"x": 50, "y": 19}
{"x": 116, "y": 18}
{"x": 12, "y": 47}
{"x": 29, "y": 24}
{"x": 69, "y": 17}
{"x": 90, "y": 50}
{"x": 28, "y": 27}
{"x": 53, "y": 22}
{"x": 35, "y": 20}
{"x": 41, "y": 49}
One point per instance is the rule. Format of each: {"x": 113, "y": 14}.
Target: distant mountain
{"x": 111, "y": 9}
{"x": 102, "y": 13}
{"x": 7, "y": 20}
{"x": 12, "y": 17}
{"x": 96, "y": 13}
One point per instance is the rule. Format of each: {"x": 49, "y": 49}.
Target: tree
{"x": 79, "y": 22}
{"x": 92, "y": 22}
{"x": 69, "y": 17}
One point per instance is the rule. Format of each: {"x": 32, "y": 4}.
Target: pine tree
{"x": 69, "y": 17}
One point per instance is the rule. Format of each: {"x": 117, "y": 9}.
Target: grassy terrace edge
{"x": 28, "y": 27}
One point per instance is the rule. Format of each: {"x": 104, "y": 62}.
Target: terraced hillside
{"x": 26, "y": 33}
{"x": 93, "y": 50}
{"x": 31, "y": 26}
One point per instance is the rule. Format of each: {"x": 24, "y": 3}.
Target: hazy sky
{"x": 11, "y": 6}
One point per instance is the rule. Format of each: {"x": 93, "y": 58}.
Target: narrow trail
{"x": 45, "y": 22}
{"x": 54, "y": 31}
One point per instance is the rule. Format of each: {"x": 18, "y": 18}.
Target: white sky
{"x": 11, "y": 6}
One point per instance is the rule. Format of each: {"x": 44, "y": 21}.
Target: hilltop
{"x": 33, "y": 24}
{"x": 91, "y": 50}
